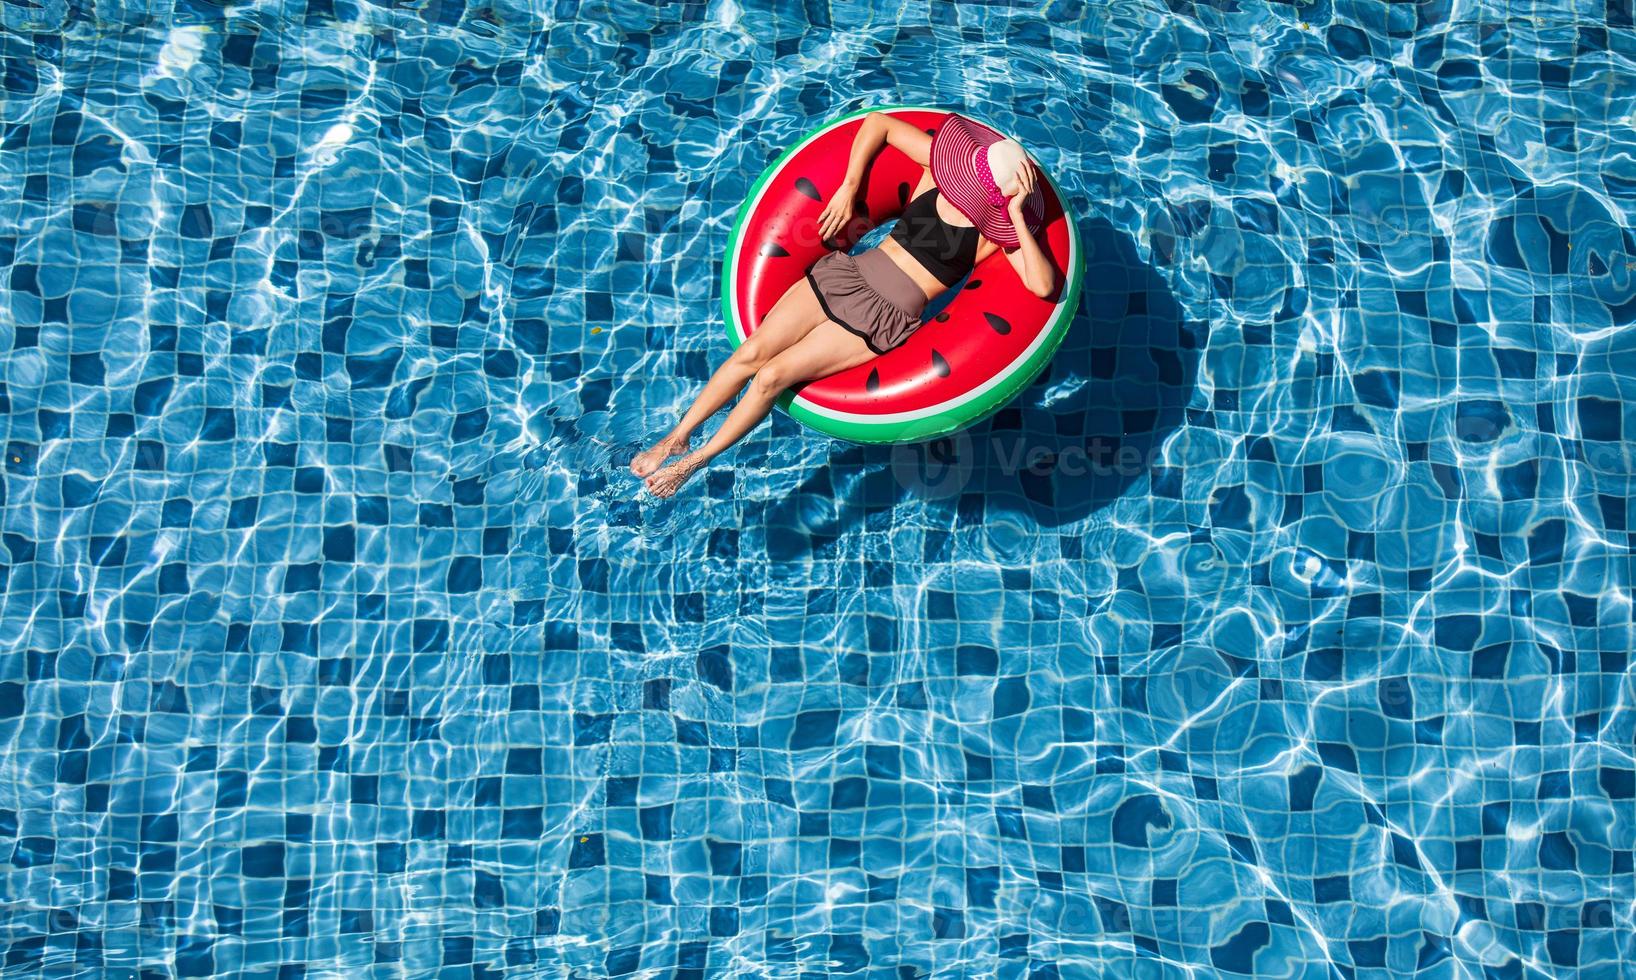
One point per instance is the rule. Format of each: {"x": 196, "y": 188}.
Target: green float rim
{"x": 933, "y": 421}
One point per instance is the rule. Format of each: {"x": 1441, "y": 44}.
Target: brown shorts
{"x": 868, "y": 295}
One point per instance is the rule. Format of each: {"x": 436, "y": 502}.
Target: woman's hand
{"x": 1025, "y": 185}
{"x": 838, "y": 211}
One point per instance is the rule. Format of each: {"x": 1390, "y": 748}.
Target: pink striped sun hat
{"x": 960, "y": 168}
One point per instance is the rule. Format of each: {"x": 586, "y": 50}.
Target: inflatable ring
{"x": 987, "y": 343}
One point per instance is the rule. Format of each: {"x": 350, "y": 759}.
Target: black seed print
{"x": 942, "y": 317}
{"x": 998, "y": 323}
{"x": 974, "y": 284}
{"x": 774, "y": 250}
{"x": 932, "y": 131}
{"x": 939, "y": 364}
{"x": 873, "y": 384}
{"x": 808, "y": 188}
{"x": 903, "y": 193}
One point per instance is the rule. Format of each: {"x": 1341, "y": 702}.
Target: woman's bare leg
{"x": 790, "y": 319}
{"x": 826, "y": 349}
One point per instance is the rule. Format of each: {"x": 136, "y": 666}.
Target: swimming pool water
{"x": 1282, "y": 629}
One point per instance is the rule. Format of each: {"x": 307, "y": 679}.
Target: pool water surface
{"x": 1282, "y": 628}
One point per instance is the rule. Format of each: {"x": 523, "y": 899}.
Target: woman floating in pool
{"x": 977, "y": 193}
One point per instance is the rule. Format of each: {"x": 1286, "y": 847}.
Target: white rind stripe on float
{"x": 993, "y": 380}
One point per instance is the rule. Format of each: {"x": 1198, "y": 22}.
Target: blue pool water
{"x": 1282, "y": 629}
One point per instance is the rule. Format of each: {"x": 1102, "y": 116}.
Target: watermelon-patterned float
{"x": 985, "y": 345}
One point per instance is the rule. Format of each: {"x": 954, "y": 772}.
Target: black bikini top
{"x": 947, "y": 251}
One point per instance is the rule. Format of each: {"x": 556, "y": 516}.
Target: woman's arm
{"x": 877, "y": 131}
{"x": 1032, "y": 266}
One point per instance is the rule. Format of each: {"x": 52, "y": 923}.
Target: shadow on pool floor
{"x": 1069, "y": 445}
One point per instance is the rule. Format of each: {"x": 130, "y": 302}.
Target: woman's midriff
{"x": 928, "y": 283}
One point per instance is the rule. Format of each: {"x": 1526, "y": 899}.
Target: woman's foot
{"x": 670, "y": 479}
{"x": 646, "y": 462}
